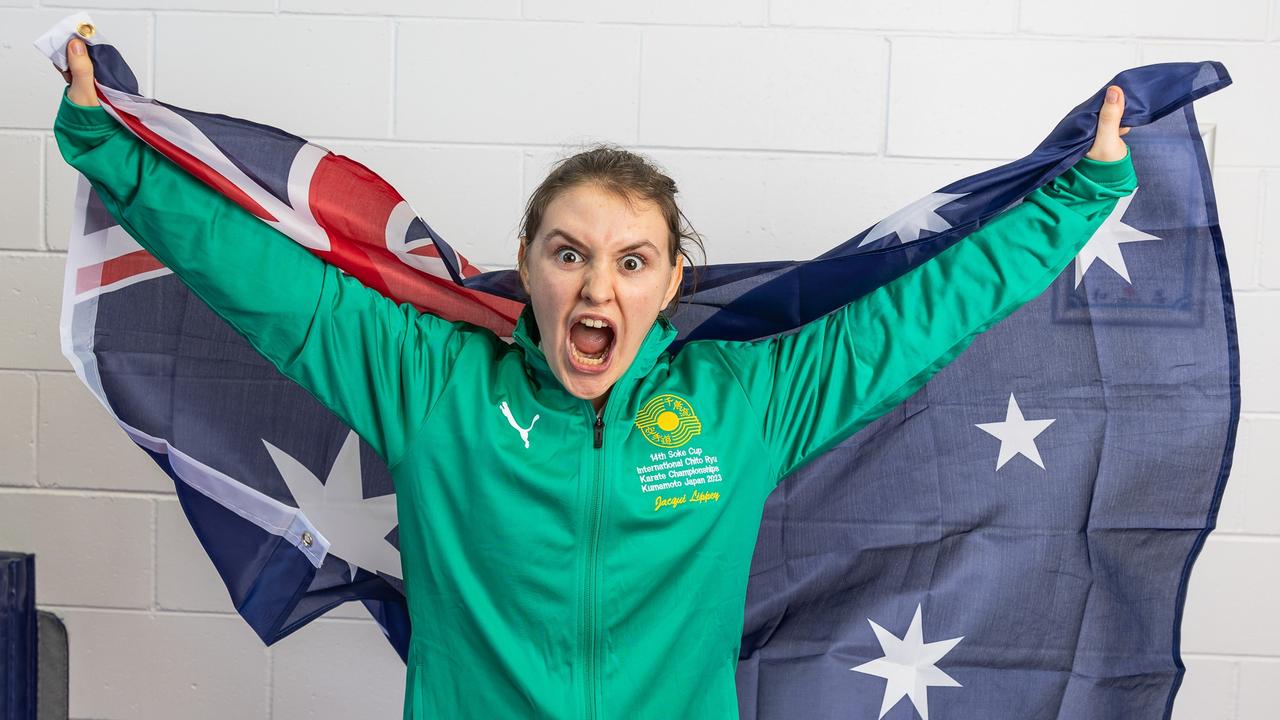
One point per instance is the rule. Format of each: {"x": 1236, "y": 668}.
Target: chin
{"x": 591, "y": 380}
{"x": 589, "y": 385}
{"x": 584, "y": 388}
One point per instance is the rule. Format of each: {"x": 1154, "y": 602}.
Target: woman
{"x": 578, "y": 509}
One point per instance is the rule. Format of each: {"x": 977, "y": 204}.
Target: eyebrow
{"x": 561, "y": 233}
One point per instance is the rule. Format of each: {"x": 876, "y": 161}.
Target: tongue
{"x": 589, "y": 340}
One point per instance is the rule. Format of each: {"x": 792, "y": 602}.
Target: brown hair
{"x": 628, "y": 175}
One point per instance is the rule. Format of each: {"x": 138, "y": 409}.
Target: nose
{"x": 597, "y": 286}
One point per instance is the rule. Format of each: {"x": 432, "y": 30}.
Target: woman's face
{"x": 597, "y": 274}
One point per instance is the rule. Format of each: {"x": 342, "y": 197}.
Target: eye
{"x": 632, "y": 263}
{"x": 568, "y": 255}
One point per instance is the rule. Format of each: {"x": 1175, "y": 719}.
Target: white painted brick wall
{"x": 78, "y": 439}
{"x": 1252, "y": 115}
{"x": 1269, "y": 252}
{"x": 1030, "y": 84}
{"x": 18, "y": 429}
{"x": 23, "y": 72}
{"x": 20, "y": 217}
{"x": 294, "y": 78}
{"x": 762, "y": 89}
{"x": 504, "y": 96}
{"x": 788, "y": 124}
{"x": 31, "y": 285}
{"x": 976, "y": 16}
{"x": 1239, "y": 193}
{"x": 1235, "y": 20}
{"x": 144, "y": 664}
{"x": 92, "y": 550}
{"x": 677, "y": 12}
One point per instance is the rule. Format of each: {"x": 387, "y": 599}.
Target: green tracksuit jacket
{"x": 557, "y": 565}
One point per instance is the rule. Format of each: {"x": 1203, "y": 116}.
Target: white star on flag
{"x": 909, "y": 665}
{"x": 1017, "y": 435}
{"x": 910, "y": 220}
{"x": 355, "y": 527}
{"x": 1105, "y": 243}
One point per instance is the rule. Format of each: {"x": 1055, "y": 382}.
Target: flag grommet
{"x": 306, "y": 538}
{"x": 86, "y": 30}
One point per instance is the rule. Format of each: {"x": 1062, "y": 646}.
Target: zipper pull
{"x": 599, "y": 431}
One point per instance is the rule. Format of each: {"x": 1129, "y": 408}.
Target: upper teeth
{"x": 591, "y": 322}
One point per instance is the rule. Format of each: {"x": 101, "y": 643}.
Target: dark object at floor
{"x": 17, "y": 636}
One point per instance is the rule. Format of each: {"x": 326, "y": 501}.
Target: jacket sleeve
{"x": 378, "y": 365}
{"x": 815, "y": 387}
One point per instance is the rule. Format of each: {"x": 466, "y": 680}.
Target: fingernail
{"x": 1113, "y": 95}
{"x": 77, "y": 47}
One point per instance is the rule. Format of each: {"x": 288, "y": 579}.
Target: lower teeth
{"x": 587, "y": 359}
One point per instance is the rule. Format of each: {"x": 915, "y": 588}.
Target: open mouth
{"x": 590, "y": 343}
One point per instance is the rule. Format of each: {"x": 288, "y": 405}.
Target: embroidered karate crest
{"x": 668, "y": 421}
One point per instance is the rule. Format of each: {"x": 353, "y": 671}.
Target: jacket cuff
{"x": 1109, "y": 173}
{"x": 82, "y": 117}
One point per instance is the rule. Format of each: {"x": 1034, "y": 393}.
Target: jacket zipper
{"x": 589, "y": 591}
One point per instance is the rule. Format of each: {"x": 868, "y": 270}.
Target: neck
{"x": 598, "y": 403}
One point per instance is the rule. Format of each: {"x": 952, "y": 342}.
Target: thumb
{"x": 1107, "y": 144}
{"x": 82, "y": 90}
{"x": 1112, "y": 109}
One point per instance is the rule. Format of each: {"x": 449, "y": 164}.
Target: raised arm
{"x": 378, "y": 365}
{"x": 819, "y": 385}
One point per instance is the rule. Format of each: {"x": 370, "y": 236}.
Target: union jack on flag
{"x": 1013, "y": 541}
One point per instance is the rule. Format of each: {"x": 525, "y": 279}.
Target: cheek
{"x": 550, "y": 300}
{"x": 641, "y": 304}
{"x": 658, "y": 287}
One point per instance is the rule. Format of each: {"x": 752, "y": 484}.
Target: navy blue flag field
{"x": 1013, "y": 541}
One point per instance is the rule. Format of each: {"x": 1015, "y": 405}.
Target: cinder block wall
{"x": 789, "y": 125}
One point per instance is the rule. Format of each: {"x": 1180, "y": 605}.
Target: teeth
{"x": 578, "y": 355}
{"x": 585, "y": 360}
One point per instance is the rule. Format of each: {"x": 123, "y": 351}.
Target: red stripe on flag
{"x": 426, "y": 251}
{"x": 94, "y": 276}
{"x": 379, "y": 269}
{"x": 190, "y": 163}
{"x": 352, "y": 203}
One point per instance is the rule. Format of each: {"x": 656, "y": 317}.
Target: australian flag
{"x": 1012, "y": 541}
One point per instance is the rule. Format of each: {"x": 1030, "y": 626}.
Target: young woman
{"x": 578, "y": 510}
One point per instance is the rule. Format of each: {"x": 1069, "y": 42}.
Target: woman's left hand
{"x": 1107, "y": 145}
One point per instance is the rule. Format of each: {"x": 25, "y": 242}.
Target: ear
{"x": 521, "y": 265}
{"x": 676, "y": 278}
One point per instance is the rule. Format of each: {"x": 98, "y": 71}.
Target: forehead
{"x": 594, "y": 216}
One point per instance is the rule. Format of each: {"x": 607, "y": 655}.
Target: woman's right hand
{"x": 80, "y": 74}
{"x": 1107, "y": 145}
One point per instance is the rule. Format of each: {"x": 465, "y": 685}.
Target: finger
{"x": 1111, "y": 113}
{"x": 1124, "y": 131}
{"x": 82, "y": 90}
{"x": 1107, "y": 145}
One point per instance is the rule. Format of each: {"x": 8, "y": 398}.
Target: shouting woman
{"x": 578, "y": 509}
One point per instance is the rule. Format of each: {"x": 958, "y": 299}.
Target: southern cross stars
{"x": 1017, "y": 435}
{"x": 355, "y": 527}
{"x": 1105, "y": 243}
{"x": 909, "y": 221}
{"x": 909, "y": 665}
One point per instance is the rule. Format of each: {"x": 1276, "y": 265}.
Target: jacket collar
{"x": 655, "y": 342}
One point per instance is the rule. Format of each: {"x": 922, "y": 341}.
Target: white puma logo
{"x": 524, "y": 432}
